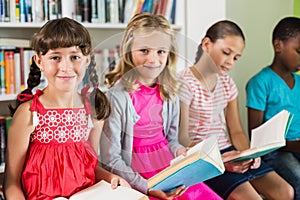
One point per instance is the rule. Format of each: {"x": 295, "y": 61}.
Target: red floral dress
{"x": 60, "y": 161}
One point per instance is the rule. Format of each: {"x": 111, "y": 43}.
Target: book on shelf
{"x": 202, "y": 162}
{"x": 2, "y": 73}
{"x": 103, "y": 190}
{"x": 266, "y": 138}
{"x": 10, "y": 78}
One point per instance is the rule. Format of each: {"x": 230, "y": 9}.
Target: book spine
{"x": 9, "y": 72}
{"x": 173, "y": 13}
{"x": 101, "y": 11}
{"x": 22, "y": 80}
{"x": 154, "y": 6}
{"x": 2, "y": 73}
{"x": 128, "y": 10}
{"x": 17, "y": 11}
{"x": 17, "y": 72}
{"x": 121, "y": 4}
{"x": 59, "y": 9}
{"x": 46, "y": 10}
{"x": 22, "y": 6}
{"x": 52, "y": 9}
{"x": 7, "y": 11}
{"x": 2, "y": 139}
{"x": 29, "y": 10}
{"x": 114, "y": 11}
{"x": 139, "y": 8}
{"x": 94, "y": 10}
{"x": 86, "y": 11}
{"x": 2, "y": 10}
{"x": 68, "y": 9}
{"x": 107, "y": 11}
{"x": 12, "y": 8}
{"x": 168, "y": 10}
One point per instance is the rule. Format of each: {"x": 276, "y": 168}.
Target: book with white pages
{"x": 266, "y": 138}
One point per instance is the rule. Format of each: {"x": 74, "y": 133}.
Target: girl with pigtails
{"x": 54, "y": 134}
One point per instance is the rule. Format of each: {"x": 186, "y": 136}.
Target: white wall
{"x": 199, "y": 15}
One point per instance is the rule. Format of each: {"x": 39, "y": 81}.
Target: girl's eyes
{"x": 76, "y": 57}
{"x": 161, "y": 52}
{"x": 226, "y": 53}
{"x": 145, "y": 51}
{"x": 57, "y": 58}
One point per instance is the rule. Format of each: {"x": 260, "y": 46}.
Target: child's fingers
{"x": 114, "y": 183}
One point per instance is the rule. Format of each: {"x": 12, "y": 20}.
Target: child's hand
{"x": 168, "y": 195}
{"x": 182, "y": 151}
{"x": 117, "y": 180}
{"x": 237, "y": 167}
{"x": 256, "y": 163}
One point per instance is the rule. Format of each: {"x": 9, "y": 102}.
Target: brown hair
{"x": 63, "y": 33}
{"x": 220, "y": 30}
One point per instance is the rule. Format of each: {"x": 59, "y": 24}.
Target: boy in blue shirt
{"x": 277, "y": 87}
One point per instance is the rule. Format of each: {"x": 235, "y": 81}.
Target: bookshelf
{"x": 104, "y": 35}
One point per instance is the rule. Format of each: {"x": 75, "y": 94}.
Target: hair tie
{"x": 96, "y": 86}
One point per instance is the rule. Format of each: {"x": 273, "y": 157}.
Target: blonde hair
{"x": 145, "y": 23}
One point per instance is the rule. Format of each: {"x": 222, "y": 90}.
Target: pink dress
{"x": 60, "y": 161}
{"x": 151, "y": 152}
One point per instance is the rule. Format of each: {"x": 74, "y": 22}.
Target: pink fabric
{"x": 151, "y": 153}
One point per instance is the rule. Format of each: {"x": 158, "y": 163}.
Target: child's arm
{"x": 95, "y": 134}
{"x": 255, "y": 119}
{"x": 184, "y": 137}
{"x": 239, "y": 139}
{"x": 17, "y": 145}
{"x": 115, "y": 180}
{"x": 238, "y": 136}
{"x": 171, "y": 195}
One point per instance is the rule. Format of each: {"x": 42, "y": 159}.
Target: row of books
{"x": 93, "y": 11}
{"x": 14, "y": 69}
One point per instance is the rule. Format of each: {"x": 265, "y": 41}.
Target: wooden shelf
{"x": 7, "y": 97}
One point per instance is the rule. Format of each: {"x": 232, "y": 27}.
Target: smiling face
{"x": 64, "y": 68}
{"x": 224, "y": 51}
{"x": 150, "y": 55}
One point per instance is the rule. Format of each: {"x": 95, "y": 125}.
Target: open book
{"x": 266, "y": 138}
{"x": 203, "y": 161}
{"x": 102, "y": 190}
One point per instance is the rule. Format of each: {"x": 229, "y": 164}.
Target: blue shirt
{"x": 268, "y": 92}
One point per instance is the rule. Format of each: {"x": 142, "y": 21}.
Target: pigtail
{"x": 100, "y": 104}
{"x": 34, "y": 79}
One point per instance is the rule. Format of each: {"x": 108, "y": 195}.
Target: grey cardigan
{"x": 117, "y": 135}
